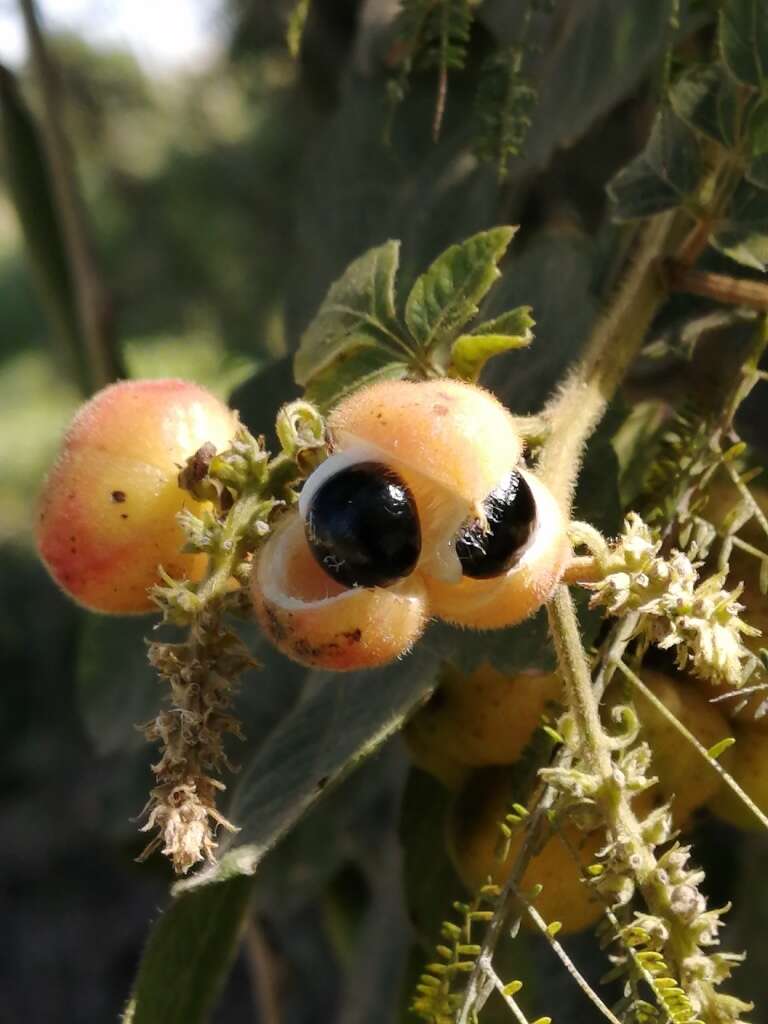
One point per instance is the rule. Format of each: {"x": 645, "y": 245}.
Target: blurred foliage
{"x": 224, "y": 201}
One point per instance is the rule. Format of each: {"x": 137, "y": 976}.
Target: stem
{"x": 569, "y": 965}
{"x": 93, "y": 304}
{"x": 573, "y": 667}
{"x": 731, "y": 291}
{"x": 576, "y": 410}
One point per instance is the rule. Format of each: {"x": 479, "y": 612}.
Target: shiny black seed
{"x": 511, "y": 513}
{"x": 363, "y": 528}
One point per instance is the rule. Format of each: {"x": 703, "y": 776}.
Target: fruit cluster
{"x": 423, "y": 508}
{"x": 476, "y": 733}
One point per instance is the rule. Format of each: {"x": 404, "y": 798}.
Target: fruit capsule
{"x": 494, "y": 541}
{"x": 483, "y": 718}
{"x": 107, "y": 514}
{"x": 317, "y": 621}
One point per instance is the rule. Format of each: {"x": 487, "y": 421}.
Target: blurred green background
{"x": 224, "y": 194}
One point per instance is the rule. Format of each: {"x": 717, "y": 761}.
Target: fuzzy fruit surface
{"x": 474, "y": 844}
{"x": 684, "y": 778}
{"x": 107, "y": 513}
{"x": 454, "y": 451}
{"x": 482, "y": 718}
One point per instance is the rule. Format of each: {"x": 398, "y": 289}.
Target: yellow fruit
{"x": 482, "y": 718}
{"x": 107, "y": 516}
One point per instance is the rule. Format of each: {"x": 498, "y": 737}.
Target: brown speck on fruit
{"x": 123, "y": 515}
{"x": 440, "y": 410}
{"x": 118, "y": 497}
{"x": 354, "y": 636}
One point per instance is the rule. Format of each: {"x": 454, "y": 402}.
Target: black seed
{"x": 511, "y": 513}
{"x": 363, "y": 527}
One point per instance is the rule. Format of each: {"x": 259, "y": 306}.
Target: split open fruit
{"x": 423, "y": 508}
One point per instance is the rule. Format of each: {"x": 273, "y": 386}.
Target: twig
{"x": 93, "y": 304}
{"x": 569, "y": 965}
{"x": 508, "y": 998}
{"x": 730, "y": 291}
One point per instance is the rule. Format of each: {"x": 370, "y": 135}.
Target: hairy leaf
{"x": 346, "y": 717}
{"x": 447, "y": 296}
{"x": 743, "y": 37}
{"x": 116, "y": 688}
{"x": 706, "y": 99}
{"x": 352, "y": 370}
{"x": 470, "y": 352}
{"x": 663, "y": 176}
{"x": 358, "y": 312}
{"x": 744, "y": 234}
{"x": 189, "y": 954}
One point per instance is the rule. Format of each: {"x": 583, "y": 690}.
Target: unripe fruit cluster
{"x": 423, "y": 509}
{"x": 471, "y": 736}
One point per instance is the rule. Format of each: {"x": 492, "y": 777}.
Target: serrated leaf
{"x": 470, "y": 352}
{"x": 189, "y": 954}
{"x": 31, "y": 192}
{"x": 743, "y": 39}
{"x": 705, "y": 98}
{"x": 663, "y": 176}
{"x": 757, "y": 136}
{"x": 744, "y": 234}
{"x": 358, "y": 311}
{"x": 352, "y": 370}
{"x": 447, "y": 296}
{"x": 345, "y": 719}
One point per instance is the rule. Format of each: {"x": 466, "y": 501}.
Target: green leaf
{"x": 743, "y": 38}
{"x": 358, "y": 311}
{"x": 116, "y": 687}
{"x": 189, "y": 954}
{"x": 344, "y": 720}
{"x": 757, "y": 134}
{"x": 707, "y": 100}
{"x": 663, "y": 176}
{"x": 744, "y": 234}
{"x": 352, "y": 370}
{"x": 470, "y": 352}
{"x": 718, "y": 749}
{"x": 429, "y": 895}
{"x": 446, "y": 297}
{"x": 30, "y": 189}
